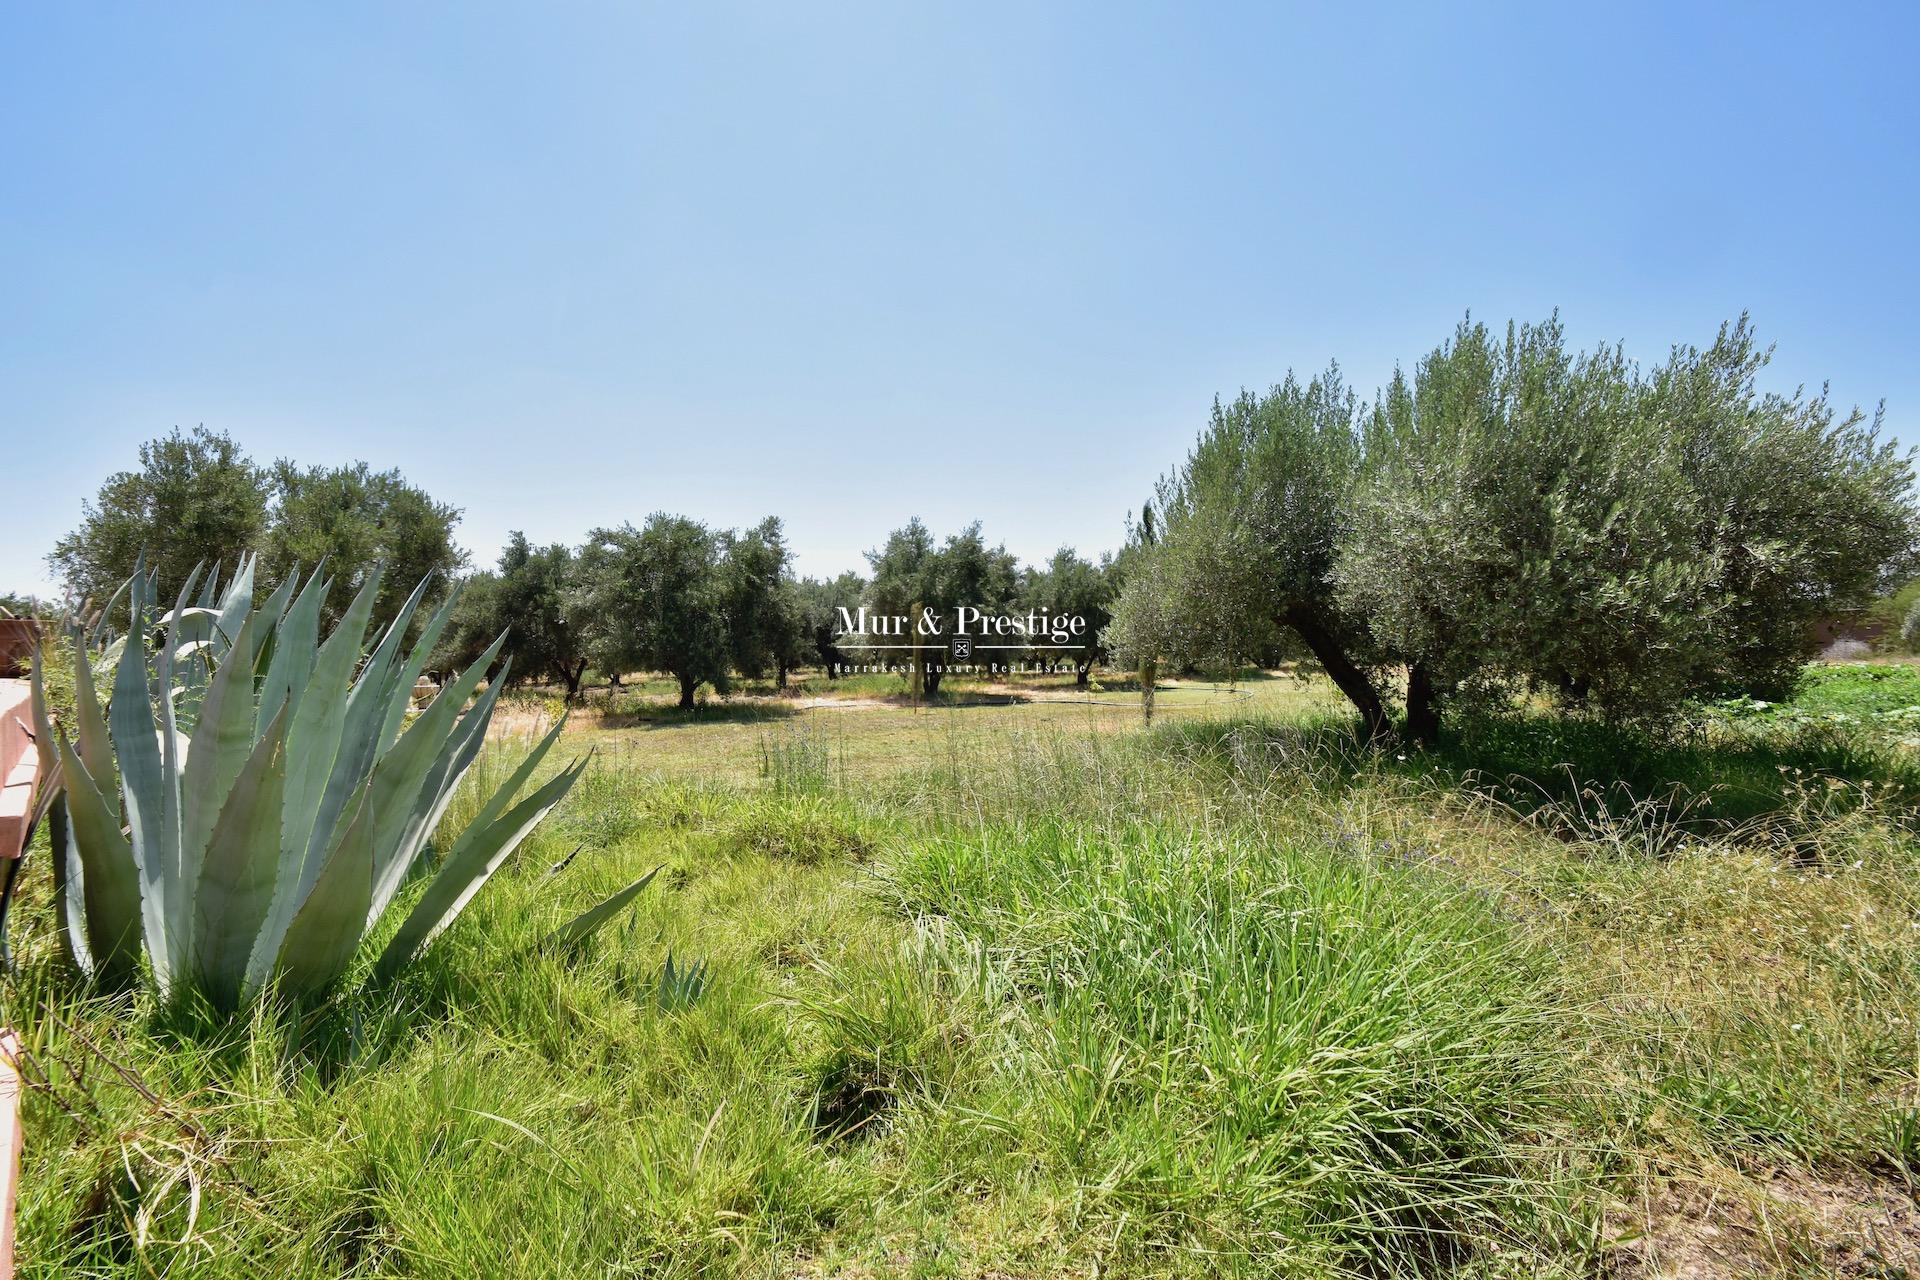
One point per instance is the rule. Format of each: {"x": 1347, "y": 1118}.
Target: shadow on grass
{"x": 1750, "y": 775}
{"x": 1582, "y": 774}
{"x": 957, "y": 698}
{"x": 668, "y": 715}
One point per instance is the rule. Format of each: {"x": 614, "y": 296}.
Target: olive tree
{"x": 1516, "y": 517}
{"x": 195, "y": 499}
{"x": 911, "y": 573}
{"x": 353, "y": 518}
{"x": 820, "y": 602}
{"x": 1618, "y": 540}
{"x": 1248, "y": 531}
{"x": 766, "y": 617}
{"x": 1070, "y": 586}
{"x": 659, "y": 599}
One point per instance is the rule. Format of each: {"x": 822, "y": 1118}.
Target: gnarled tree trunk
{"x": 1423, "y": 706}
{"x": 1324, "y": 644}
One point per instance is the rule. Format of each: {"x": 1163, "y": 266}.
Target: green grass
{"x": 1024, "y": 990}
{"x": 1880, "y": 698}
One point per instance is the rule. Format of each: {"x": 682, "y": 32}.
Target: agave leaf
{"x": 504, "y": 795}
{"x": 355, "y": 758}
{"x": 400, "y": 691}
{"x": 108, "y": 664}
{"x": 326, "y": 928}
{"x": 392, "y": 876}
{"x": 113, "y": 901}
{"x": 199, "y": 649}
{"x": 102, "y": 625}
{"x": 388, "y": 649}
{"x": 400, "y": 842}
{"x": 69, "y": 889}
{"x": 358, "y": 747}
{"x": 90, "y": 723}
{"x": 196, "y": 623}
{"x": 313, "y": 741}
{"x": 210, "y": 591}
{"x": 242, "y": 861}
{"x": 296, "y": 643}
{"x": 222, "y": 742}
{"x": 588, "y": 922}
{"x": 274, "y": 607}
{"x": 393, "y": 785}
{"x": 476, "y": 855}
{"x": 401, "y": 776}
{"x": 179, "y": 889}
{"x": 143, "y": 787}
{"x": 238, "y": 601}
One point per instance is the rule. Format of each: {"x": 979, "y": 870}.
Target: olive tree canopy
{"x": 1516, "y": 517}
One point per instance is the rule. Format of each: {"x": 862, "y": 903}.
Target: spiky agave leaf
{"x": 68, "y": 892}
{"x": 239, "y": 869}
{"x": 589, "y": 922}
{"x": 143, "y": 785}
{"x": 318, "y": 715}
{"x": 113, "y": 902}
{"x": 401, "y": 845}
{"x": 275, "y": 796}
{"x": 495, "y": 832}
{"x": 328, "y": 924}
{"x": 388, "y": 789}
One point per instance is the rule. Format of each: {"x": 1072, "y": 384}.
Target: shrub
{"x": 252, "y": 800}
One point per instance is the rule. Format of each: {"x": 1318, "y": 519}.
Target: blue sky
{"x": 568, "y": 264}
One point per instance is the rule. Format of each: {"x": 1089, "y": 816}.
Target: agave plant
{"x": 252, "y": 799}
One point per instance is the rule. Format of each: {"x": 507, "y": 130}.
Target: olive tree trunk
{"x": 1321, "y": 640}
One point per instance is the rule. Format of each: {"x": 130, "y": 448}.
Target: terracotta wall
{"x": 19, "y": 763}
{"x": 16, "y": 645}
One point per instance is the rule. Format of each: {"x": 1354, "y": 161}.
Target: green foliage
{"x": 659, "y": 597}
{"x": 253, "y": 800}
{"x": 1625, "y": 539}
{"x": 1072, "y": 587}
{"x": 1366, "y": 1048}
{"x": 820, "y": 602}
{"x": 764, "y": 611}
{"x": 473, "y": 623}
{"x": 804, "y": 828}
{"x": 531, "y": 597}
{"x": 1238, "y": 997}
{"x": 1882, "y": 698}
{"x": 576, "y": 932}
{"x": 1249, "y": 531}
{"x": 196, "y": 499}
{"x": 912, "y": 573}
{"x": 1890, "y": 612}
{"x": 681, "y": 986}
{"x": 352, "y": 518}
{"x": 1519, "y": 518}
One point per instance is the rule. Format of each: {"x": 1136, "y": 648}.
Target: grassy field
{"x": 1008, "y": 986}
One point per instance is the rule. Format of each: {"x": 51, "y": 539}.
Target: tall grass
{"x": 1265, "y": 1052}
{"x": 1226, "y": 997}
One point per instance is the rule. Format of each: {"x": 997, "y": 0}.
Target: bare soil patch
{"x": 1794, "y": 1223}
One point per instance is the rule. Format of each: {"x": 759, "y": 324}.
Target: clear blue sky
{"x": 567, "y": 264}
